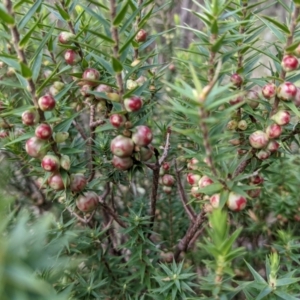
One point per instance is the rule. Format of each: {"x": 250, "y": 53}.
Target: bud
{"x": 46, "y": 103}
{"x": 65, "y": 37}
{"x": 236, "y": 79}
{"x": 30, "y": 117}
{"x": 195, "y": 192}
{"x": 85, "y": 89}
{"x": 273, "y": 146}
{"x": 3, "y": 134}
{"x": 142, "y": 136}
{"x": 36, "y": 148}
{"x": 141, "y": 36}
{"x": 193, "y": 179}
{"x": 133, "y": 104}
{"x": 87, "y": 202}
{"x": 269, "y": 90}
{"x": 204, "y": 181}
{"x": 289, "y": 63}
{"x": 282, "y": 117}
{"x": 55, "y": 181}
{"x": 78, "y": 182}
{"x": 167, "y": 189}
{"x": 102, "y": 88}
{"x": 252, "y": 98}
{"x": 131, "y": 84}
{"x": 146, "y": 153}
{"x": 65, "y": 162}
{"x": 122, "y": 146}
{"x": 117, "y": 120}
{"x": 43, "y": 131}
{"x": 237, "y": 99}
{"x": 113, "y": 97}
{"x": 257, "y": 179}
{"x": 232, "y": 125}
{"x": 193, "y": 164}
{"x": 286, "y": 91}
{"x": 50, "y": 163}
{"x": 90, "y": 75}
{"x": 60, "y": 137}
{"x": 263, "y": 154}
{"x": 135, "y": 62}
{"x": 273, "y": 131}
{"x": 236, "y": 202}
{"x": 71, "y": 57}
{"x": 258, "y": 139}
{"x": 215, "y": 200}
{"x": 242, "y": 125}
{"x": 124, "y": 163}
{"x": 168, "y": 180}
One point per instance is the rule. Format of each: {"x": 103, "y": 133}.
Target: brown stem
{"x": 79, "y": 129}
{"x": 241, "y": 31}
{"x": 188, "y": 209}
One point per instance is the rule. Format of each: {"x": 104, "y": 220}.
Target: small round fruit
{"x": 195, "y": 192}
{"x": 236, "y": 202}
{"x": 142, "y": 136}
{"x": 273, "y": 131}
{"x": 117, "y": 120}
{"x": 254, "y": 193}
{"x": 236, "y": 79}
{"x": 289, "y": 63}
{"x": 193, "y": 164}
{"x": 258, "y": 139}
{"x": 193, "y": 179}
{"x": 50, "y": 163}
{"x": 168, "y": 180}
{"x": 36, "y": 148}
{"x": 87, "y": 202}
{"x": 141, "y": 36}
{"x": 269, "y": 90}
{"x": 133, "y": 104}
{"x": 286, "y": 91}
{"x": 43, "y": 131}
{"x": 282, "y": 117}
{"x": 71, "y": 57}
{"x": 242, "y": 125}
{"x": 205, "y": 181}
{"x": 30, "y": 117}
{"x": 166, "y": 166}
{"x": 263, "y": 154}
{"x": 55, "y": 181}
{"x": 167, "y": 189}
{"x": 232, "y": 125}
{"x": 61, "y": 137}
{"x": 78, "y": 182}
{"x": 273, "y": 146}
{"x": 46, "y": 103}
{"x": 146, "y": 153}
{"x": 90, "y": 75}
{"x": 3, "y": 134}
{"x": 252, "y": 98}
{"x": 215, "y": 200}
{"x": 102, "y": 88}
{"x": 256, "y": 179}
{"x": 122, "y": 146}
{"x": 237, "y": 99}
{"x": 124, "y": 163}
{"x": 65, "y": 37}
{"x": 65, "y": 162}
{"x": 85, "y": 89}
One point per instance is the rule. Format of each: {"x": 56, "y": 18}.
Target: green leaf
{"x": 25, "y": 71}
{"x": 219, "y": 42}
{"x": 6, "y": 18}
{"x": 279, "y": 25}
{"x": 102, "y": 36}
{"x": 214, "y": 27}
{"x": 116, "y": 64}
{"x": 121, "y": 14}
{"x": 28, "y": 15}
{"x": 62, "y": 12}
{"x": 27, "y": 36}
{"x": 36, "y": 66}
{"x": 65, "y": 125}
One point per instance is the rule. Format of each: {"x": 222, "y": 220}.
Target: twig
{"x": 79, "y": 129}
{"x": 190, "y": 234}
{"x": 82, "y": 220}
{"x": 188, "y": 209}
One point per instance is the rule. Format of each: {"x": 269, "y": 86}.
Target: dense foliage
{"x": 136, "y": 169}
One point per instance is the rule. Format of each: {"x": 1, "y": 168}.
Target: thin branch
{"x": 188, "y": 209}
{"x": 166, "y": 148}
{"x": 79, "y": 129}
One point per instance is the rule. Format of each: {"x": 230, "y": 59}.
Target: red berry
{"x": 165, "y": 166}
{"x": 46, "y": 103}
{"x": 36, "y": 148}
{"x": 65, "y": 37}
{"x": 117, "y": 120}
{"x": 43, "y": 131}
{"x": 258, "y": 139}
{"x": 289, "y": 63}
{"x": 168, "y": 180}
{"x": 236, "y": 202}
{"x": 286, "y": 91}
{"x": 71, "y": 57}
{"x": 215, "y": 200}
{"x": 55, "y": 181}
{"x": 204, "y": 181}
{"x": 124, "y": 163}
{"x": 269, "y": 90}
{"x": 193, "y": 179}
{"x": 263, "y": 154}
{"x": 273, "y": 131}
{"x": 282, "y": 117}
{"x": 257, "y": 179}
{"x": 78, "y": 182}
{"x": 50, "y": 163}
{"x": 141, "y": 36}
{"x": 133, "y": 104}
{"x": 236, "y": 79}
{"x": 142, "y": 135}
{"x": 90, "y": 75}
{"x": 273, "y": 146}
{"x": 122, "y": 146}
{"x": 30, "y": 117}
{"x": 87, "y": 202}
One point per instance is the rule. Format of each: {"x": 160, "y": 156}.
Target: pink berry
{"x": 50, "y": 163}
{"x": 46, "y": 103}
{"x": 258, "y": 139}
{"x": 236, "y": 79}
{"x": 282, "y": 117}
{"x": 102, "y": 88}
{"x": 257, "y": 179}
{"x": 273, "y": 131}
{"x": 30, "y": 117}
{"x": 117, "y": 120}
{"x": 43, "y": 131}
{"x": 236, "y": 202}
{"x": 142, "y": 135}
{"x": 141, "y": 36}
{"x": 273, "y": 146}
{"x": 204, "y": 181}
{"x": 91, "y": 75}
{"x": 193, "y": 179}
{"x": 168, "y": 180}
{"x": 263, "y": 154}
{"x": 133, "y": 104}
{"x": 215, "y": 200}
{"x": 71, "y": 57}
{"x": 78, "y": 182}
{"x": 286, "y": 91}
{"x": 36, "y": 148}
{"x": 269, "y": 90}
{"x": 166, "y": 166}
{"x": 55, "y": 181}
{"x": 124, "y": 163}
{"x": 87, "y": 202}
{"x": 65, "y": 37}
{"x": 289, "y": 63}
{"x": 122, "y": 146}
